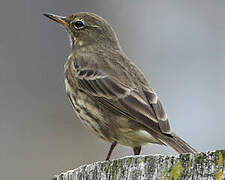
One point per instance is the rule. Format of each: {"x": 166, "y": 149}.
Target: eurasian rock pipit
{"x": 108, "y": 92}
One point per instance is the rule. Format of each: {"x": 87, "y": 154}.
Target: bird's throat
{"x": 72, "y": 41}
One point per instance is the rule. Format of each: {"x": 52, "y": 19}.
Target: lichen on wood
{"x": 197, "y": 166}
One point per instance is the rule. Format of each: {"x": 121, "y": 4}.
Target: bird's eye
{"x": 79, "y": 24}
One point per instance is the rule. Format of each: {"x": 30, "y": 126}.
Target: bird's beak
{"x": 59, "y": 19}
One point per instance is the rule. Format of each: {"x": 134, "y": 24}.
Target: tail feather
{"x": 172, "y": 140}
{"x": 177, "y": 144}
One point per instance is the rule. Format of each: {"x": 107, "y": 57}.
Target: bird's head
{"x": 87, "y": 29}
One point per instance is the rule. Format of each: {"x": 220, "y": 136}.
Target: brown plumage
{"x": 108, "y": 92}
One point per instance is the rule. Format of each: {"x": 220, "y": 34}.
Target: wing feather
{"x": 147, "y": 111}
{"x": 160, "y": 113}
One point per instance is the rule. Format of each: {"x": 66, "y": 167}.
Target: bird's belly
{"x": 104, "y": 123}
{"x": 135, "y": 138}
{"x": 86, "y": 110}
{"x": 90, "y": 117}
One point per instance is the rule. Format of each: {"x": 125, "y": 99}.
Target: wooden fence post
{"x": 197, "y": 166}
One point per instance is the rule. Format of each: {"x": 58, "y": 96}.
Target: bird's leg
{"x": 113, "y": 145}
{"x": 137, "y": 150}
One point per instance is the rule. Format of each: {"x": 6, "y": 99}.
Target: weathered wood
{"x": 197, "y": 166}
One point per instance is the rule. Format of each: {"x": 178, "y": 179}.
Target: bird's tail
{"x": 177, "y": 143}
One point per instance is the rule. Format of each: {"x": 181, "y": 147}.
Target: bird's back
{"x": 115, "y": 64}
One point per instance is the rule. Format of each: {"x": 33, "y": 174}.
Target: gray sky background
{"x": 180, "y": 46}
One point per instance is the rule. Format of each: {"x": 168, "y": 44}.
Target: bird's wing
{"x": 147, "y": 111}
{"x": 160, "y": 113}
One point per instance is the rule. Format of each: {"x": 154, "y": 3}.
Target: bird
{"x": 108, "y": 92}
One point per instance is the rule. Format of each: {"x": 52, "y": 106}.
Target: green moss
{"x": 114, "y": 175}
{"x": 114, "y": 168}
{"x": 200, "y": 164}
{"x": 219, "y": 175}
{"x": 165, "y": 174}
{"x": 107, "y": 166}
{"x": 146, "y": 159}
{"x": 114, "y": 178}
{"x": 199, "y": 160}
{"x": 220, "y": 159}
{"x": 190, "y": 163}
{"x": 129, "y": 161}
{"x": 176, "y": 171}
{"x": 138, "y": 161}
{"x": 122, "y": 170}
